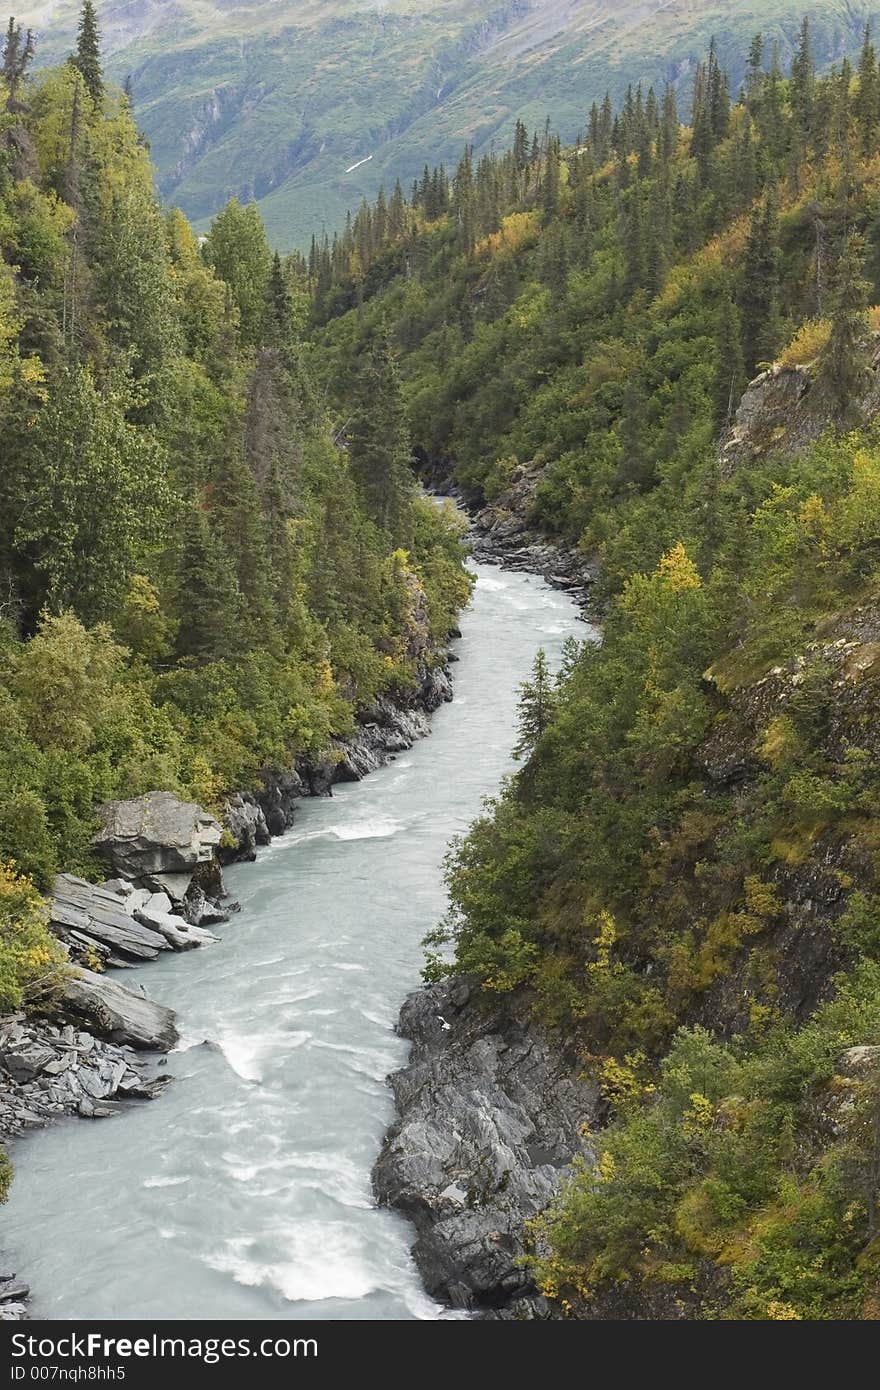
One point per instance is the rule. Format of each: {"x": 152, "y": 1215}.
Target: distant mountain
{"x": 307, "y": 107}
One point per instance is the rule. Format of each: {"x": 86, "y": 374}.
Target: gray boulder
{"x": 246, "y": 824}
{"x": 155, "y": 834}
{"x": 83, "y": 915}
{"x": 177, "y": 931}
{"x": 120, "y": 1014}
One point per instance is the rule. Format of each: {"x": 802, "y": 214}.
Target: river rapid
{"x": 244, "y": 1191}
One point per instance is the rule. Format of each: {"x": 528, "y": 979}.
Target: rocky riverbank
{"x": 502, "y": 533}
{"x": 490, "y": 1117}
{"x": 103, "y": 1042}
{"x": 389, "y": 726}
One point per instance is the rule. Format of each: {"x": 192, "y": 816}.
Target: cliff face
{"x": 782, "y": 412}
{"x": 490, "y": 1118}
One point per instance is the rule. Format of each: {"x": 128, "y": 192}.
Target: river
{"x": 244, "y": 1191}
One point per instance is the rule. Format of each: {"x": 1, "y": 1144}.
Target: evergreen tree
{"x": 669, "y": 127}
{"x": 238, "y": 521}
{"x": 731, "y": 372}
{"x": 279, "y": 303}
{"x": 755, "y": 75}
{"x": 537, "y": 705}
{"x": 803, "y": 85}
{"x": 844, "y": 369}
{"x": 759, "y": 298}
{"x": 379, "y": 442}
{"x": 636, "y": 463}
{"x": 550, "y": 183}
{"x": 88, "y": 52}
{"x": 635, "y": 247}
{"x": 867, "y": 103}
{"x": 18, "y": 54}
{"x": 209, "y": 609}
{"x": 520, "y": 147}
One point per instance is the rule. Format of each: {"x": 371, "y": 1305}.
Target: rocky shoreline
{"x": 103, "y": 1043}
{"x": 490, "y": 1116}
{"x": 500, "y": 534}
{"x": 384, "y": 729}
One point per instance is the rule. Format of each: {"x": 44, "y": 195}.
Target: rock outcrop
{"x": 782, "y": 411}
{"x": 118, "y": 924}
{"x": 386, "y": 728}
{"x": 490, "y": 1118}
{"x": 50, "y": 1069}
{"x": 155, "y": 834}
{"x": 112, "y": 1011}
{"x": 245, "y": 824}
{"x": 13, "y": 1296}
{"x": 504, "y": 533}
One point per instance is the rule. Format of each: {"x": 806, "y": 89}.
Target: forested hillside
{"x": 198, "y": 578}
{"x": 682, "y": 880}
{"x": 201, "y": 577}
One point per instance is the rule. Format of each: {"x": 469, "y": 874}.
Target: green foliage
{"x": 238, "y": 252}
{"x": 691, "y": 839}
{"x": 196, "y": 580}
{"x": 91, "y": 496}
{"x": 724, "y": 1161}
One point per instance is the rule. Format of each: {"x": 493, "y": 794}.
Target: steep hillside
{"x": 278, "y": 101}
{"x": 197, "y": 584}
{"x": 681, "y": 883}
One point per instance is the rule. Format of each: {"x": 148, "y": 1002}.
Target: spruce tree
{"x": 669, "y": 126}
{"x": 537, "y": 705}
{"x": 755, "y": 75}
{"x": 550, "y": 183}
{"x": 279, "y": 303}
{"x": 379, "y": 443}
{"x": 17, "y": 56}
{"x": 635, "y": 248}
{"x": 238, "y": 519}
{"x": 88, "y": 52}
{"x": 730, "y": 379}
{"x": 208, "y": 600}
{"x": 636, "y": 464}
{"x": 759, "y": 300}
{"x": 843, "y": 372}
{"x": 867, "y": 103}
{"x": 803, "y": 84}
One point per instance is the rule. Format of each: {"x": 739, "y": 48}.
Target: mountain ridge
{"x": 276, "y": 102}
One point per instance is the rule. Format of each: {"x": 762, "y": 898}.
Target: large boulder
{"x": 245, "y": 825}
{"x": 114, "y": 1012}
{"x": 155, "y": 834}
{"x": 92, "y": 918}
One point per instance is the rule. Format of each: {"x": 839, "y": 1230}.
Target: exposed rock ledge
{"x": 490, "y": 1118}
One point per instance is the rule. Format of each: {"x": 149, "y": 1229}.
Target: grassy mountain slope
{"x": 277, "y": 101}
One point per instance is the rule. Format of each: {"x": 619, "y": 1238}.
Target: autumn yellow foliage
{"x": 31, "y": 960}
{"x": 806, "y": 344}
{"x": 518, "y": 230}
